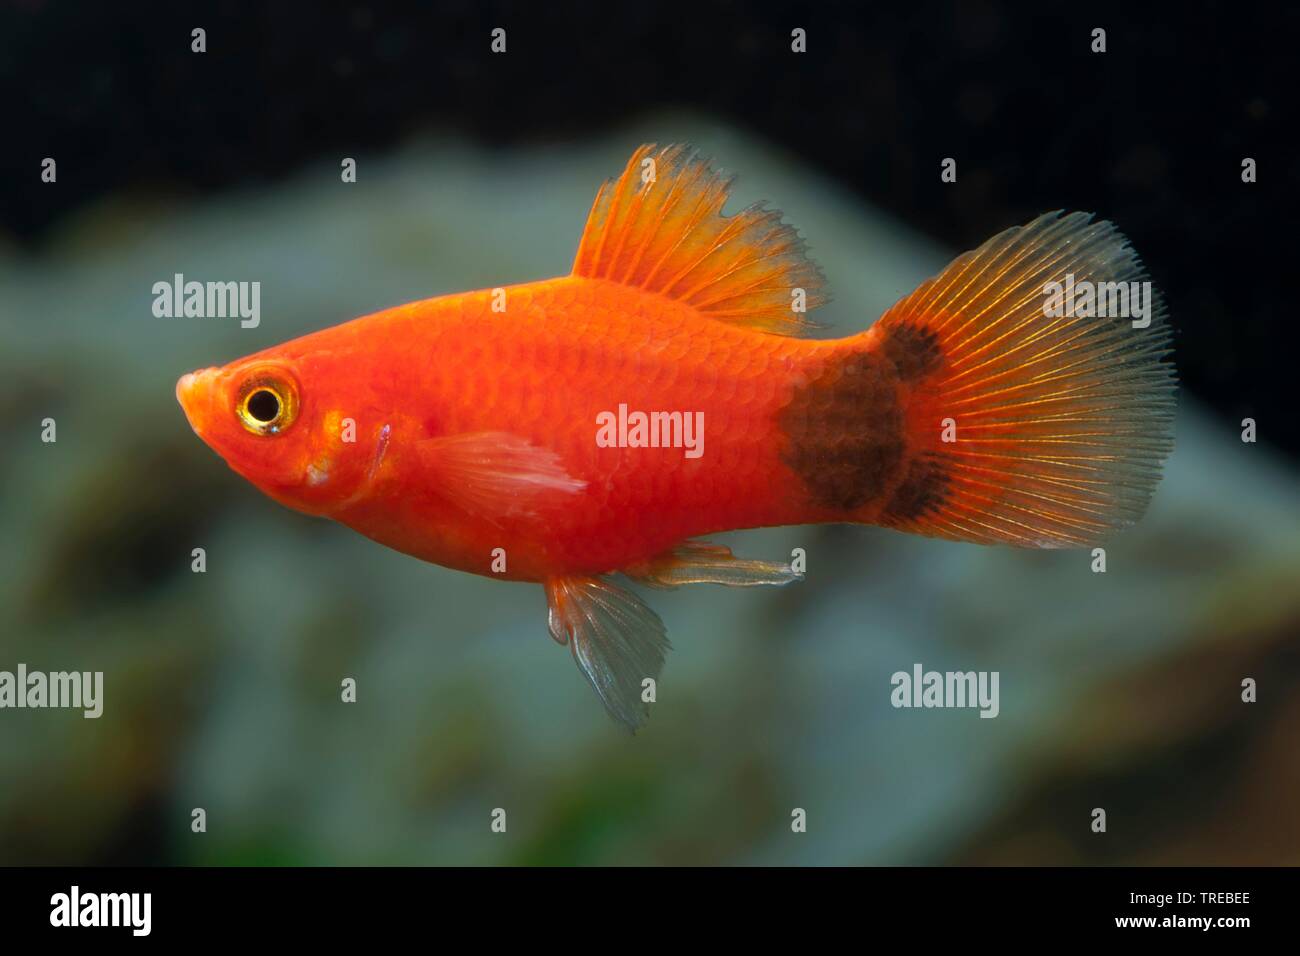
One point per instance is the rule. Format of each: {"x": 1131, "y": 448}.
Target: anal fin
{"x": 615, "y": 638}
{"x": 698, "y": 562}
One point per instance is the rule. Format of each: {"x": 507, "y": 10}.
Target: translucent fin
{"x": 660, "y": 227}
{"x": 1060, "y": 423}
{"x": 698, "y": 562}
{"x": 616, "y": 639}
{"x": 496, "y": 474}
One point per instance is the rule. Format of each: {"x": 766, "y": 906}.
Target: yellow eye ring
{"x": 268, "y": 402}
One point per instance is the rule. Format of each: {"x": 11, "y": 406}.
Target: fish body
{"x": 561, "y": 358}
{"x": 606, "y": 421}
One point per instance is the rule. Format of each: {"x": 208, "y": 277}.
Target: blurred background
{"x": 1119, "y": 690}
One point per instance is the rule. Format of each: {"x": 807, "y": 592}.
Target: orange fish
{"x": 603, "y": 421}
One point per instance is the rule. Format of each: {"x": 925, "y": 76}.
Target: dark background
{"x": 1152, "y": 132}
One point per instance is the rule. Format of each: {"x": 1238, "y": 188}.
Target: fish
{"x": 607, "y": 422}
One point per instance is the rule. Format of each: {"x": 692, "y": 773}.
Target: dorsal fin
{"x": 660, "y": 227}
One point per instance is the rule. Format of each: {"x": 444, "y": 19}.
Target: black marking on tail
{"x": 913, "y": 349}
{"x": 845, "y": 430}
{"x": 923, "y": 490}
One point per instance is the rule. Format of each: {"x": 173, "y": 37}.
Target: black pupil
{"x": 263, "y": 405}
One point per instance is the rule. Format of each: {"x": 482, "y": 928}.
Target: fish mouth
{"x": 194, "y": 391}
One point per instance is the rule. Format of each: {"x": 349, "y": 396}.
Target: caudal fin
{"x": 1029, "y": 418}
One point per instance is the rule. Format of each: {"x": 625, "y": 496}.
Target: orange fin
{"x": 660, "y": 227}
{"x": 698, "y": 562}
{"x": 1058, "y": 419}
{"x": 496, "y": 474}
{"x": 615, "y": 638}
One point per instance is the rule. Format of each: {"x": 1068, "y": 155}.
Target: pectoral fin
{"x": 497, "y": 474}
{"x": 616, "y": 639}
{"x": 698, "y": 562}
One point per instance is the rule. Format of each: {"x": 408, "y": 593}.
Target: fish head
{"x": 280, "y": 422}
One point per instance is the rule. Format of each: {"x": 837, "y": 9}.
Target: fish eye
{"x": 268, "y": 402}
{"x": 264, "y": 405}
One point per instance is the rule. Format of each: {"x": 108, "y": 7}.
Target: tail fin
{"x": 1029, "y": 419}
